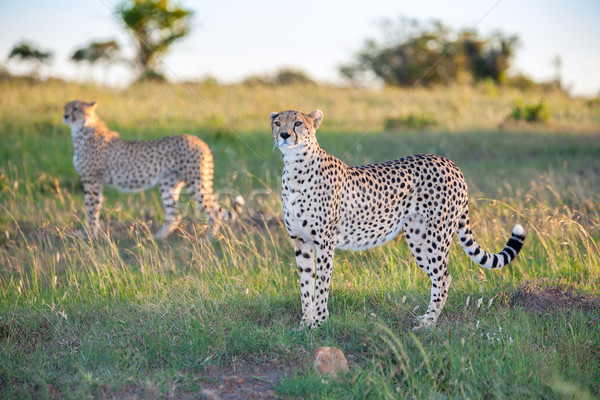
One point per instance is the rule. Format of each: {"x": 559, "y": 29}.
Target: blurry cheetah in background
{"x": 174, "y": 162}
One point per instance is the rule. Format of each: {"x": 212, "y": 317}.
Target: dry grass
{"x": 126, "y": 316}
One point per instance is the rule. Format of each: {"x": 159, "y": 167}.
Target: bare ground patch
{"x": 541, "y": 296}
{"x": 249, "y": 383}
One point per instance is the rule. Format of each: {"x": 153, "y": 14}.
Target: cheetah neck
{"x": 302, "y": 156}
{"x": 311, "y": 161}
{"x": 93, "y": 129}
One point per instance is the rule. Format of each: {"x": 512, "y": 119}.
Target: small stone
{"x": 330, "y": 361}
{"x": 209, "y": 394}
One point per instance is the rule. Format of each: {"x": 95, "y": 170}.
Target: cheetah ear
{"x": 93, "y": 105}
{"x": 317, "y": 118}
{"x": 273, "y": 116}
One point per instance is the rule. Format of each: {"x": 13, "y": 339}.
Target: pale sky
{"x": 233, "y": 39}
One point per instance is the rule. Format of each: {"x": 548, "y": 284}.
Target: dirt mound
{"x": 542, "y": 296}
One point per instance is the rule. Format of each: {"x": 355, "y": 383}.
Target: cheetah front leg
{"x": 305, "y": 260}
{"x": 324, "y": 272}
{"x": 170, "y": 187}
{"x": 431, "y": 259}
{"x": 93, "y": 204}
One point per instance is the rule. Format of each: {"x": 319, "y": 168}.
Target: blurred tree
{"x": 430, "y": 53}
{"x": 105, "y": 53}
{"x": 489, "y": 58}
{"x": 97, "y": 51}
{"x": 28, "y": 53}
{"x": 155, "y": 26}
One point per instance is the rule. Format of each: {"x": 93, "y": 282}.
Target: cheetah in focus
{"x": 328, "y": 204}
{"x": 174, "y": 162}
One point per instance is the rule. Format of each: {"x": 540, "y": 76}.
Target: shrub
{"x": 410, "y": 121}
{"x": 522, "y": 82}
{"x": 539, "y": 112}
{"x": 283, "y": 77}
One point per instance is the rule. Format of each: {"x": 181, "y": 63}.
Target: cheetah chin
{"x": 328, "y": 204}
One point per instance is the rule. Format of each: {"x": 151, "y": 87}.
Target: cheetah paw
{"x": 303, "y": 326}
{"x": 423, "y": 323}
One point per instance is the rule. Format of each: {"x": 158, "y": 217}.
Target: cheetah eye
{"x": 277, "y": 123}
{"x": 297, "y": 123}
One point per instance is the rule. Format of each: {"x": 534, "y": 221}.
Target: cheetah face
{"x": 293, "y": 129}
{"x": 77, "y": 112}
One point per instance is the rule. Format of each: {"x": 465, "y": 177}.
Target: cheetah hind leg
{"x": 431, "y": 261}
{"x": 170, "y": 188}
{"x": 201, "y": 191}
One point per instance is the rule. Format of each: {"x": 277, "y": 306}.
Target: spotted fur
{"x": 174, "y": 162}
{"x": 328, "y": 204}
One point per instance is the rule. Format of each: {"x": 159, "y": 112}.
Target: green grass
{"x": 124, "y": 316}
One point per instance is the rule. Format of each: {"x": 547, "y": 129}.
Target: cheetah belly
{"x": 130, "y": 183}
{"x": 361, "y": 235}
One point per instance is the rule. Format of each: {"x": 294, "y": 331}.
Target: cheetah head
{"x": 294, "y": 129}
{"x": 78, "y": 112}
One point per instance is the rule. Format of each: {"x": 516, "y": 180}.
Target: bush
{"x": 539, "y": 112}
{"x": 287, "y": 76}
{"x": 431, "y": 53}
{"x": 593, "y": 103}
{"x": 410, "y": 121}
{"x": 283, "y": 77}
{"x": 150, "y": 75}
{"x": 522, "y": 82}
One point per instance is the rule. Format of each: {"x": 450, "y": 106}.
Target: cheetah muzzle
{"x": 174, "y": 162}
{"x": 329, "y": 205}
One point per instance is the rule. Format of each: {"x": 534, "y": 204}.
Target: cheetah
{"x": 329, "y": 205}
{"x": 173, "y": 162}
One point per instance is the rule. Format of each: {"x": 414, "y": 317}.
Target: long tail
{"x": 480, "y": 256}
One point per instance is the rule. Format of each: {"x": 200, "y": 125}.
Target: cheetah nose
{"x": 284, "y": 135}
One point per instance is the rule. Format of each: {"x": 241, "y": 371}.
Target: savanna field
{"x": 124, "y": 316}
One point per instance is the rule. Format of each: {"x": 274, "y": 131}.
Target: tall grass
{"x": 126, "y": 316}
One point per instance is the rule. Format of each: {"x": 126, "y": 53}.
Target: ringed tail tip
{"x": 518, "y": 231}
